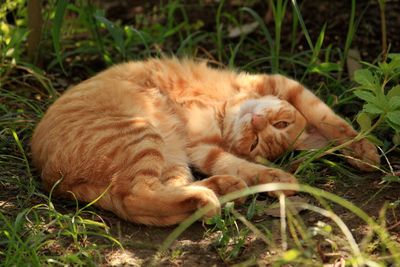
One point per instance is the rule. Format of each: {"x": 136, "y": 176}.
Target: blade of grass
{"x": 264, "y": 30}
{"x": 383, "y": 29}
{"x": 22, "y": 151}
{"x": 17, "y": 98}
{"x": 282, "y": 207}
{"x": 293, "y": 35}
{"x": 116, "y": 33}
{"x": 278, "y": 10}
{"x": 143, "y": 39}
{"x": 350, "y": 34}
{"x": 190, "y": 41}
{"x": 234, "y": 52}
{"x": 187, "y": 26}
{"x": 56, "y": 30}
{"x": 302, "y": 24}
{"x": 315, "y": 52}
{"x": 41, "y": 78}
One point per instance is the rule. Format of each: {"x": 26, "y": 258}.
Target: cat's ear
{"x": 310, "y": 139}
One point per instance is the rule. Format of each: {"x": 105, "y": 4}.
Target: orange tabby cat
{"x": 136, "y": 127}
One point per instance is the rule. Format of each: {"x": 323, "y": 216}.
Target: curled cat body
{"x": 132, "y": 131}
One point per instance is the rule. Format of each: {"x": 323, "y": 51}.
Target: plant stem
{"x": 383, "y": 29}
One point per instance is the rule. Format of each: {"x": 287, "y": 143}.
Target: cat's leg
{"x": 176, "y": 172}
{"x": 213, "y": 160}
{"x": 176, "y": 175}
{"x": 318, "y": 115}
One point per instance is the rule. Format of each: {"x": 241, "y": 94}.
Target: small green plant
{"x": 379, "y": 88}
{"x": 231, "y": 238}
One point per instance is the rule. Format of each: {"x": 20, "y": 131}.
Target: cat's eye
{"x": 281, "y": 124}
{"x": 254, "y": 144}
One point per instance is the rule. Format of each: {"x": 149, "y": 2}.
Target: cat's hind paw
{"x": 202, "y": 197}
{"x": 363, "y": 155}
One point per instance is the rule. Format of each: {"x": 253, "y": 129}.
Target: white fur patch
{"x": 257, "y": 106}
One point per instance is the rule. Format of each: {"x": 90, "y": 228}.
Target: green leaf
{"x": 116, "y": 33}
{"x": 394, "y": 103}
{"x": 251, "y": 211}
{"x": 394, "y": 126}
{"x": 326, "y": 67}
{"x": 372, "y": 108}
{"x": 365, "y": 78}
{"x": 394, "y": 61}
{"x": 394, "y": 56}
{"x": 395, "y": 91}
{"x": 364, "y": 121}
{"x": 173, "y": 31}
{"x": 318, "y": 44}
{"x": 365, "y": 95}
{"x": 385, "y": 68}
{"x": 394, "y": 117}
{"x": 56, "y": 29}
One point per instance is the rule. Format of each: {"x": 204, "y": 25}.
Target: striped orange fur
{"x": 136, "y": 127}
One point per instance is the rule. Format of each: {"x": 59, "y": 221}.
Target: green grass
{"x": 37, "y": 230}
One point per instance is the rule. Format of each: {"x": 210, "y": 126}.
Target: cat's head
{"x": 270, "y": 126}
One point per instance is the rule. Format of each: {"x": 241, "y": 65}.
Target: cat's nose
{"x": 258, "y": 121}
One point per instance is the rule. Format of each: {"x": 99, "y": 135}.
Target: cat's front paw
{"x": 264, "y": 175}
{"x": 363, "y": 155}
{"x": 278, "y": 176}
